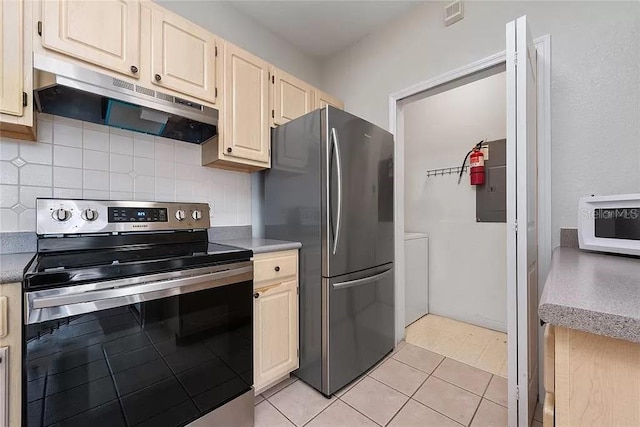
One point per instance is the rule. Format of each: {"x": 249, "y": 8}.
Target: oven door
{"x": 146, "y": 354}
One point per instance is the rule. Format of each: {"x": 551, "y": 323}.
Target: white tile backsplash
{"x": 39, "y": 153}
{"x": 95, "y": 160}
{"x": 74, "y": 159}
{"x": 9, "y": 196}
{"x": 120, "y": 163}
{"x": 9, "y": 151}
{"x": 67, "y": 134}
{"x": 8, "y": 173}
{"x": 121, "y": 141}
{"x": 28, "y": 195}
{"x": 66, "y": 177}
{"x": 67, "y": 156}
{"x": 143, "y": 166}
{"x": 36, "y": 175}
{"x": 96, "y": 180}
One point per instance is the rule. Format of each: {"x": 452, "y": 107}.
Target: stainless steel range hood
{"x": 68, "y": 90}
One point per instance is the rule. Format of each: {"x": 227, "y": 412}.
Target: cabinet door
{"x": 323, "y": 99}
{"x": 292, "y": 97}
{"x": 246, "y": 114}
{"x": 11, "y": 79}
{"x": 275, "y": 332}
{"x": 104, "y": 33}
{"x": 183, "y": 56}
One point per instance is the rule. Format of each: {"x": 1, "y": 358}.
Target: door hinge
{"x": 24, "y": 99}
{"x": 273, "y": 114}
{"x": 216, "y": 50}
{"x": 273, "y": 79}
{"x": 515, "y": 59}
{"x": 39, "y": 28}
{"x": 297, "y": 352}
{"x": 216, "y": 92}
{"x": 515, "y": 227}
{"x": 517, "y": 393}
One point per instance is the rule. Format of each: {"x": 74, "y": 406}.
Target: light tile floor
{"x": 479, "y": 347}
{"x": 410, "y": 387}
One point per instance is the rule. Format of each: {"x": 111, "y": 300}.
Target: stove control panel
{"x": 74, "y": 216}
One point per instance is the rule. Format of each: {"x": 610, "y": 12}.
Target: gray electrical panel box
{"x": 491, "y": 198}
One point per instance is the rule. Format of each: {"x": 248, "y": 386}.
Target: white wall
{"x": 74, "y": 159}
{"x": 224, "y": 20}
{"x": 595, "y": 82}
{"x": 467, "y": 264}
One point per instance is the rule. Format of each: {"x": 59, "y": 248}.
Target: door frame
{"x": 396, "y": 127}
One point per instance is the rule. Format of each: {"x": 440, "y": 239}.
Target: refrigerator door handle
{"x": 363, "y": 281}
{"x": 336, "y": 145}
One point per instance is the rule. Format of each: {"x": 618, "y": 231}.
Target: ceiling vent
{"x": 453, "y": 13}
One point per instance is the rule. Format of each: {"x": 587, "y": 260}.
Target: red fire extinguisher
{"x": 476, "y": 165}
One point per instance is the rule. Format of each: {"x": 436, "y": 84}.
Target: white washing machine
{"x": 416, "y": 258}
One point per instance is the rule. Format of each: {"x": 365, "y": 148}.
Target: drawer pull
{"x": 277, "y": 268}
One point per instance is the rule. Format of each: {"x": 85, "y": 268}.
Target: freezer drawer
{"x": 360, "y": 324}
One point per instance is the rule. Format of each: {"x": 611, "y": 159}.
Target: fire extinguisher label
{"x": 477, "y": 162}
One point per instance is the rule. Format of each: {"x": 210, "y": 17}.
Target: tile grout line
{"x": 413, "y": 394}
{"x": 358, "y": 411}
{"x": 323, "y": 409}
{"x": 481, "y": 399}
{"x": 427, "y": 406}
{"x": 277, "y": 410}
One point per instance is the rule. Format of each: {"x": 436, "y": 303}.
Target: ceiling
{"x": 322, "y": 28}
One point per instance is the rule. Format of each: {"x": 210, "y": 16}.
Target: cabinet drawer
{"x": 275, "y": 267}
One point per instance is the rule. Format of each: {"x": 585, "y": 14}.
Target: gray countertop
{"x": 12, "y": 266}
{"x": 260, "y": 246}
{"x": 593, "y": 292}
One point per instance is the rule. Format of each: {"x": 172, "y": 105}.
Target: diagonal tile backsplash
{"x": 74, "y": 159}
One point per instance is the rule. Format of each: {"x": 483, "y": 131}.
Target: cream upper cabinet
{"x": 276, "y": 332}
{"x": 16, "y": 70}
{"x": 323, "y": 99}
{"x": 105, "y": 33}
{"x": 245, "y": 132}
{"x": 11, "y": 42}
{"x": 291, "y": 98}
{"x": 183, "y": 56}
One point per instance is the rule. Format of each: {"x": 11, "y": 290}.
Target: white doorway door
{"x": 522, "y": 217}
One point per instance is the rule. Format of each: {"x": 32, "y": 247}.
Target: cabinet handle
{"x": 134, "y": 69}
{"x": 256, "y": 295}
{"x": 229, "y": 150}
{"x": 158, "y": 77}
{"x": 277, "y": 268}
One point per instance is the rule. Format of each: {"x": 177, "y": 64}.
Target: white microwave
{"x": 610, "y": 224}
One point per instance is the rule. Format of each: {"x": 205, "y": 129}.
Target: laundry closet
{"x": 458, "y": 273}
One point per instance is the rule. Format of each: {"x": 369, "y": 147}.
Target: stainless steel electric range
{"x": 132, "y": 318}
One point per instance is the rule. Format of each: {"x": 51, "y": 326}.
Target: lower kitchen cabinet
{"x": 275, "y": 317}
{"x": 11, "y": 354}
{"x": 590, "y": 380}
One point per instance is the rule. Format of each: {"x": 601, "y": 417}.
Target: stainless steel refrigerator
{"x": 331, "y": 187}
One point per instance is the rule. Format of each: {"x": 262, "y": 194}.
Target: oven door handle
{"x": 170, "y": 287}
{"x": 78, "y": 301}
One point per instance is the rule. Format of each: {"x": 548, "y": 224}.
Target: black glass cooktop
{"x": 72, "y": 267}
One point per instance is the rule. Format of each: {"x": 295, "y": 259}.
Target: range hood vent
{"x": 69, "y": 90}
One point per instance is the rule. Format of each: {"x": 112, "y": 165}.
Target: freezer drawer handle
{"x": 363, "y": 281}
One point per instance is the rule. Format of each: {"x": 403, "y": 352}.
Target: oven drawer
{"x": 275, "y": 267}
